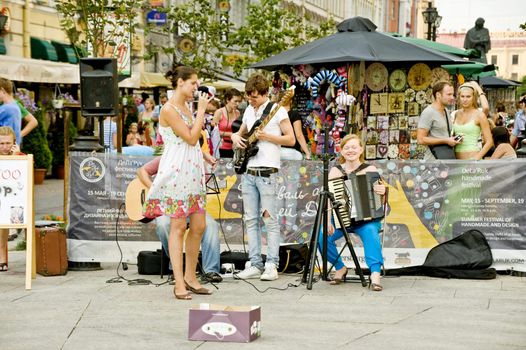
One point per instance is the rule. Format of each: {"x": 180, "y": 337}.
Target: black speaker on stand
{"x": 98, "y": 98}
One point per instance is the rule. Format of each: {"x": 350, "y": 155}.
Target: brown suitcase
{"x": 51, "y": 251}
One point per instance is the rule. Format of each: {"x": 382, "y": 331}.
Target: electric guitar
{"x": 135, "y": 198}
{"x": 242, "y": 155}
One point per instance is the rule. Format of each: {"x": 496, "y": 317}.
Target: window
{"x": 493, "y": 59}
{"x": 515, "y": 59}
{"x": 514, "y": 76}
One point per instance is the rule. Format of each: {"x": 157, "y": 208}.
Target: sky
{"x": 499, "y": 15}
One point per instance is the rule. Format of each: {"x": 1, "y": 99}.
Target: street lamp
{"x": 430, "y": 16}
{"x": 438, "y": 20}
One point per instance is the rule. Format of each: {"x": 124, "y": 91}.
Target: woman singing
{"x": 179, "y": 188}
{"x": 470, "y": 123}
{"x": 351, "y": 161}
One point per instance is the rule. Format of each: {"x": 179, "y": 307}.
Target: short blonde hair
{"x": 344, "y": 141}
{"x": 6, "y": 131}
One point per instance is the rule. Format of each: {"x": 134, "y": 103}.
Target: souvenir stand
{"x": 364, "y": 82}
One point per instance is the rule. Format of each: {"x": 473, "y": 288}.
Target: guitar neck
{"x": 264, "y": 121}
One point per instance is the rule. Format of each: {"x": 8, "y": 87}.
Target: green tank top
{"x": 471, "y": 133}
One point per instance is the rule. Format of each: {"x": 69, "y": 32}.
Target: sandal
{"x": 185, "y": 296}
{"x": 375, "y": 287}
{"x": 3, "y": 267}
{"x": 336, "y": 281}
{"x": 200, "y": 290}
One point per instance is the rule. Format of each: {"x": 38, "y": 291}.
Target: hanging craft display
{"x": 397, "y": 80}
{"x": 376, "y": 76}
{"x": 419, "y": 76}
{"x": 439, "y": 74}
{"x": 321, "y": 77}
{"x": 396, "y": 103}
{"x": 378, "y": 103}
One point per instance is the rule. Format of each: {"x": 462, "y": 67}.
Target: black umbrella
{"x": 356, "y": 40}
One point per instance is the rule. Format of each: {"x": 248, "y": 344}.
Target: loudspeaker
{"x": 98, "y": 87}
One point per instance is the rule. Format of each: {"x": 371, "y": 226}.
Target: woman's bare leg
{"x": 175, "y": 246}
{"x": 193, "y": 241}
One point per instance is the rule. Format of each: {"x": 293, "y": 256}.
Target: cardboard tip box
{"x": 221, "y": 323}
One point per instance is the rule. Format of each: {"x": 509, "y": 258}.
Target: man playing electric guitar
{"x": 259, "y": 183}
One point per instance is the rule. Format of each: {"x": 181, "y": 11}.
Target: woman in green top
{"x": 471, "y": 123}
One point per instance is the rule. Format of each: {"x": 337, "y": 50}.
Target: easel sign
{"x": 16, "y": 202}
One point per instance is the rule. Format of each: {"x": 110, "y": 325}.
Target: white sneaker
{"x": 248, "y": 273}
{"x": 270, "y": 273}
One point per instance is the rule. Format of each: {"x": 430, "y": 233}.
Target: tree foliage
{"x": 270, "y": 29}
{"x": 101, "y": 25}
{"x": 197, "y": 36}
{"x": 36, "y": 143}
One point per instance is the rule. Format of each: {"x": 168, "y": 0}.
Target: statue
{"x": 478, "y": 38}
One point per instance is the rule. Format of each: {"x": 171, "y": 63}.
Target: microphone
{"x": 200, "y": 89}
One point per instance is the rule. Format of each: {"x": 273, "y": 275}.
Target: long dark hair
{"x": 179, "y": 71}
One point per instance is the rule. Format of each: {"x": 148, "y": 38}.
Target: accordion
{"x": 358, "y": 201}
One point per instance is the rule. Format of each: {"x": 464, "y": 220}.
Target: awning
{"x": 440, "y": 47}
{"x": 495, "y": 82}
{"x": 3, "y": 49}
{"x": 471, "y": 69}
{"x": 42, "y": 49}
{"x": 38, "y": 71}
{"x": 223, "y": 85}
{"x": 65, "y": 52}
{"x": 152, "y": 79}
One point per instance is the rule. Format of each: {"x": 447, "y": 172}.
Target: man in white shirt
{"x": 259, "y": 184}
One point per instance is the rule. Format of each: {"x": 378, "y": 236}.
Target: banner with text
{"x": 429, "y": 203}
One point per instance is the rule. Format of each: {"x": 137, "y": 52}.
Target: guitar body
{"x": 135, "y": 198}
{"x": 243, "y": 155}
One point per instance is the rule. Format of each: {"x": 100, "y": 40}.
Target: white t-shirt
{"x": 269, "y": 153}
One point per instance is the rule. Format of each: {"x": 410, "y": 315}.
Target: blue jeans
{"x": 260, "y": 194}
{"x": 369, "y": 233}
{"x": 209, "y": 243}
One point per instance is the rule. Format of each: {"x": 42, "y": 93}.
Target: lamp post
{"x": 436, "y": 25}
{"x": 430, "y": 16}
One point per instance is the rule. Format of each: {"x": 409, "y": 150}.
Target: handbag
{"x": 443, "y": 151}
{"x": 292, "y": 257}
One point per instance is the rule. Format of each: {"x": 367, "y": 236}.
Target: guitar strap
{"x": 267, "y": 110}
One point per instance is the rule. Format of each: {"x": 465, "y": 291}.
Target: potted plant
{"x": 56, "y": 142}
{"x": 36, "y": 143}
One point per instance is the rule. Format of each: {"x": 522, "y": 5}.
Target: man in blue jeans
{"x": 259, "y": 183}
{"x": 210, "y": 241}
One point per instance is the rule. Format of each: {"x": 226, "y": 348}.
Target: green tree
{"x": 270, "y": 29}
{"x": 521, "y": 90}
{"x": 36, "y": 143}
{"x": 100, "y": 25}
{"x": 197, "y": 32}
{"x": 522, "y": 26}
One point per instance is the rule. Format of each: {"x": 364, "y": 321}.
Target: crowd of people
{"x": 195, "y": 128}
